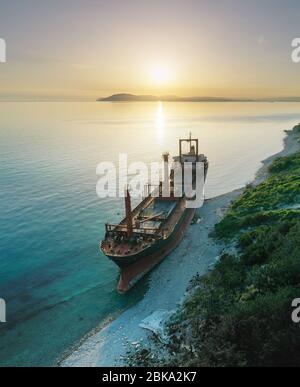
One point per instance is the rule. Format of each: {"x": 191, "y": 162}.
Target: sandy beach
{"x": 167, "y": 283}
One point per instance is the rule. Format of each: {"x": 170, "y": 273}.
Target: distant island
{"x": 125, "y": 97}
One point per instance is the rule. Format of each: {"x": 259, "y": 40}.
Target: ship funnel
{"x": 128, "y": 213}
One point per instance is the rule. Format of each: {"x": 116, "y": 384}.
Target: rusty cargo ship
{"x": 157, "y": 225}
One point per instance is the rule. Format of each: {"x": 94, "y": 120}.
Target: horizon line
{"x": 155, "y": 98}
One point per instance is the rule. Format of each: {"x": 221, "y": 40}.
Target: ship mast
{"x": 193, "y": 144}
{"x": 128, "y": 213}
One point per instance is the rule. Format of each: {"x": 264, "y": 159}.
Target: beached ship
{"x": 157, "y": 225}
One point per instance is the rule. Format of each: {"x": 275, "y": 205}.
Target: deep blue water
{"x": 57, "y": 285}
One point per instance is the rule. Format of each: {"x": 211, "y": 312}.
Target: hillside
{"x": 240, "y": 313}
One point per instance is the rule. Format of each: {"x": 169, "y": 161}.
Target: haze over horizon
{"x": 91, "y": 49}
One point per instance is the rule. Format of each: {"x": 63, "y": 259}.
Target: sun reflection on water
{"x": 160, "y": 123}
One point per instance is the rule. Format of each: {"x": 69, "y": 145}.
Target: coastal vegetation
{"x": 239, "y": 314}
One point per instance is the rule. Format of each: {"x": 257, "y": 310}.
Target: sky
{"x": 94, "y": 48}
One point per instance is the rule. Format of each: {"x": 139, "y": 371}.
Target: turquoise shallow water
{"x": 57, "y": 285}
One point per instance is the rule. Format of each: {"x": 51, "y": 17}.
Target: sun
{"x": 160, "y": 75}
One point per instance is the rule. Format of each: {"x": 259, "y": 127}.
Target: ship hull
{"x": 141, "y": 265}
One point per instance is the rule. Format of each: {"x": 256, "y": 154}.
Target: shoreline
{"x": 196, "y": 254}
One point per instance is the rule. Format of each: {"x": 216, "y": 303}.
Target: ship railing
{"x": 150, "y": 231}
{"x": 155, "y": 191}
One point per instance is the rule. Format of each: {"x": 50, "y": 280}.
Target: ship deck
{"x": 167, "y": 213}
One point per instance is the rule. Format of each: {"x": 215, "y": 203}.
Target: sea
{"x": 57, "y": 286}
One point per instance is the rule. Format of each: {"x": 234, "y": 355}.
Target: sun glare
{"x": 160, "y": 75}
